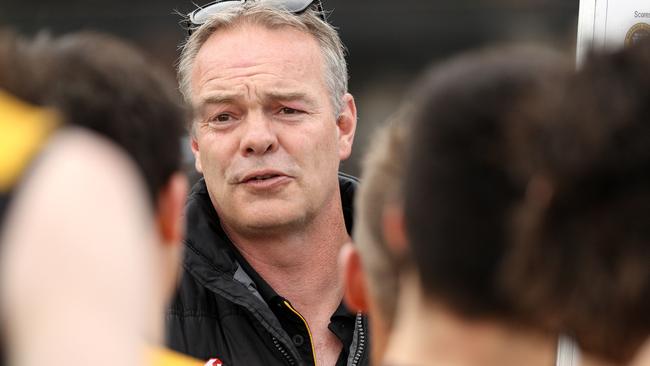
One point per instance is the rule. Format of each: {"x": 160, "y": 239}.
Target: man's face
{"x": 266, "y": 137}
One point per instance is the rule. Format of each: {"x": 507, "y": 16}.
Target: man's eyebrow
{"x": 288, "y": 96}
{"x": 212, "y": 99}
{"x": 219, "y": 98}
{"x": 225, "y": 98}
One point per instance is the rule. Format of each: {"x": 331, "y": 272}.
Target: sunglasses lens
{"x": 200, "y": 16}
{"x": 292, "y": 6}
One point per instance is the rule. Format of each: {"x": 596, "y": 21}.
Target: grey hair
{"x": 381, "y": 186}
{"x": 264, "y": 14}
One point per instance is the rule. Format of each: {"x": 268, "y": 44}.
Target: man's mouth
{"x": 265, "y": 179}
{"x": 261, "y": 177}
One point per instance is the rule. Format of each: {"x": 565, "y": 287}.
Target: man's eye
{"x": 223, "y": 117}
{"x": 287, "y": 110}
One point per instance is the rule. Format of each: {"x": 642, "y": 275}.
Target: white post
{"x": 611, "y": 24}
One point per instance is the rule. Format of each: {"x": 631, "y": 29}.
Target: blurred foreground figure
{"x": 373, "y": 265}
{"x": 93, "y": 196}
{"x": 582, "y": 265}
{"x": 459, "y": 189}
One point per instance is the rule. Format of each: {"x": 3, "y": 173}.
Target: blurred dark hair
{"x": 20, "y": 74}
{"x": 462, "y": 183}
{"x": 107, "y": 86}
{"x": 99, "y": 82}
{"x": 583, "y": 260}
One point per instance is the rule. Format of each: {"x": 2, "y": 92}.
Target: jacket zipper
{"x": 283, "y": 352}
{"x": 361, "y": 345}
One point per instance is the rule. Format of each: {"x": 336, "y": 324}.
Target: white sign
{"x": 611, "y": 24}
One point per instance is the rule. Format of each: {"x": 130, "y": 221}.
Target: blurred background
{"x": 389, "y": 42}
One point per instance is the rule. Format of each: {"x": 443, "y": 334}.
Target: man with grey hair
{"x": 273, "y": 119}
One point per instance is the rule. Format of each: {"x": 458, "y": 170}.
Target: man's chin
{"x": 272, "y": 222}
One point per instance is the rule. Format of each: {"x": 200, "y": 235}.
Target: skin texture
{"x": 263, "y": 107}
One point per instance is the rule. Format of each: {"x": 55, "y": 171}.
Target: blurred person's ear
{"x": 171, "y": 201}
{"x": 355, "y": 293}
{"x": 394, "y": 228}
{"x": 347, "y": 125}
{"x": 171, "y": 227}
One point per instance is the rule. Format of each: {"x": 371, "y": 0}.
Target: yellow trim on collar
{"x": 311, "y": 338}
{"x": 164, "y": 357}
{"x": 23, "y": 129}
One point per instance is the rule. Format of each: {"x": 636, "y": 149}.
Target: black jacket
{"x": 217, "y": 312}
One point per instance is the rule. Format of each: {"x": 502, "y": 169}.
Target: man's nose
{"x": 259, "y": 136}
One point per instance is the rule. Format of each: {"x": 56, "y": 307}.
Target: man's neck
{"x": 301, "y": 265}
{"x": 302, "y": 270}
{"x": 429, "y": 334}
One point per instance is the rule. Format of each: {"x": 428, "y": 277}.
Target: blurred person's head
{"x": 114, "y": 105}
{"x": 461, "y": 181}
{"x": 582, "y": 264}
{"x": 100, "y": 83}
{"x": 23, "y": 128}
{"x": 461, "y": 185}
{"x": 373, "y": 264}
{"x": 269, "y": 91}
{"x": 103, "y": 84}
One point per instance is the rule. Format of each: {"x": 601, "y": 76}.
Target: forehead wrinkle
{"x": 213, "y": 75}
{"x": 219, "y": 70}
{"x": 250, "y": 73}
{"x": 217, "y": 81}
{"x": 266, "y": 85}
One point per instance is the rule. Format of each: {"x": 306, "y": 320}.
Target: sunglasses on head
{"x": 203, "y": 13}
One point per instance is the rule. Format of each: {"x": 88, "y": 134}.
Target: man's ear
{"x": 171, "y": 202}
{"x": 354, "y": 280}
{"x": 347, "y": 125}
{"x": 196, "y": 152}
{"x": 394, "y": 228}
